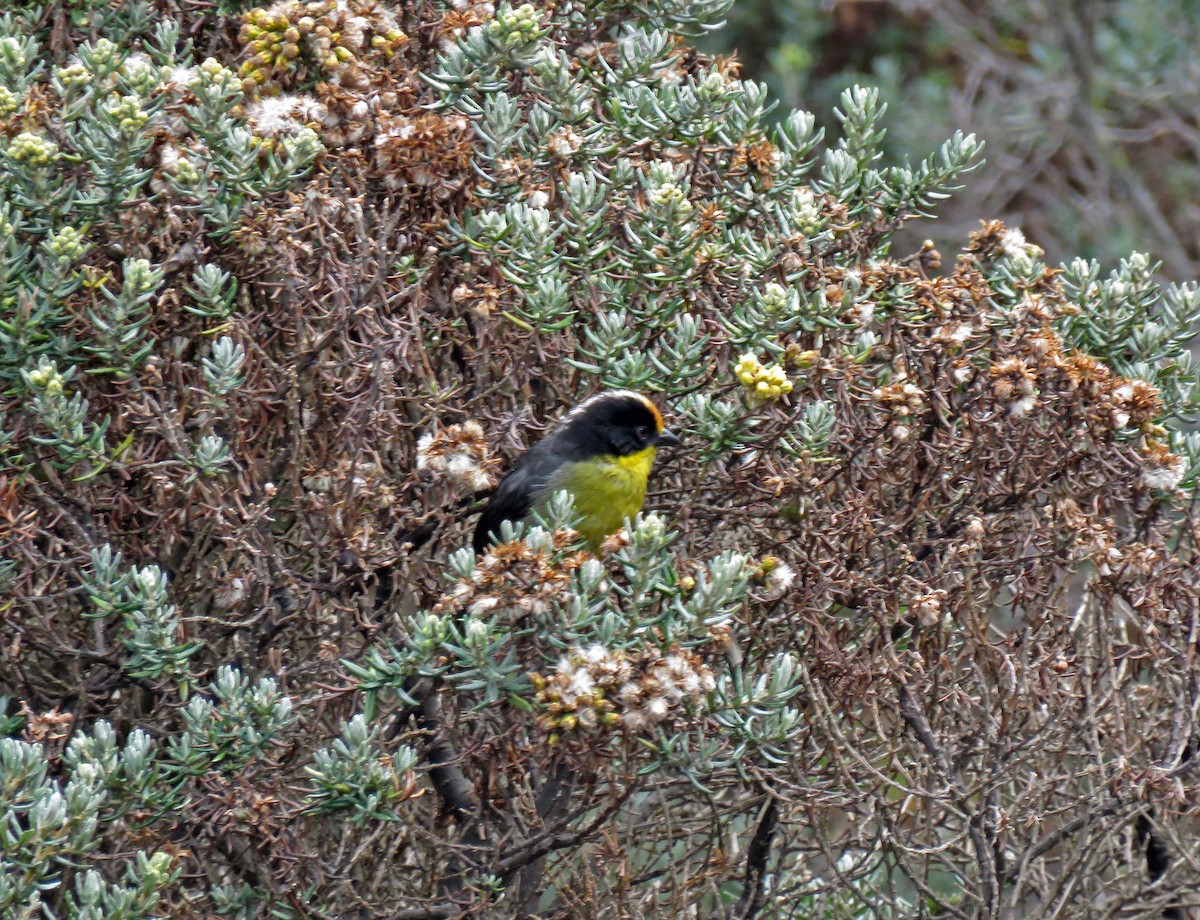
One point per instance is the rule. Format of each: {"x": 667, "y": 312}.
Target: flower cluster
{"x": 599, "y": 687}
{"x": 126, "y": 112}
{"x": 337, "y": 41}
{"x": 513, "y": 28}
{"x": 806, "y": 212}
{"x": 764, "y": 382}
{"x": 461, "y": 16}
{"x": 1016, "y": 248}
{"x": 73, "y": 76}
{"x": 141, "y": 74}
{"x": 927, "y": 608}
{"x": 460, "y": 452}
{"x": 1013, "y": 382}
{"x": 1090, "y": 537}
{"x": 427, "y": 148}
{"x": 174, "y": 163}
{"x": 576, "y": 695}
{"x": 522, "y": 577}
{"x": 210, "y": 73}
{"x": 483, "y": 300}
{"x": 274, "y": 40}
{"x": 671, "y": 200}
{"x": 564, "y": 143}
{"x": 140, "y": 276}
{"x": 9, "y": 101}
{"x": 12, "y": 53}
{"x": 775, "y": 298}
{"x": 67, "y": 244}
{"x": 281, "y": 115}
{"x": 33, "y": 149}
{"x": 775, "y": 576}
{"x": 1135, "y": 404}
{"x": 105, "y": 56}
{"x": 46, "y": 377}
{"x": 1163, "y": 470}
{"x": 904, "y": 402}
{"x": 1043, "y": 367}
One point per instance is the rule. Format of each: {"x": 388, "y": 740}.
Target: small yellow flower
{"x": 763, "y": 382}
{"x": 32, "y": 149}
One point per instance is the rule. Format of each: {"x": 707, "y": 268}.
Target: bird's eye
{"x": 643, "y": 433}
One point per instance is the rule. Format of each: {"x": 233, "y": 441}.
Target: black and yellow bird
{"x": 601, "y": 453}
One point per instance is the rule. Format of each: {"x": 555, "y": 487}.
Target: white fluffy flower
{"x": 1164, "y": 478}
{"x": 634, "y": 720}
{"x": 564, "y": 143}
{"x": 476, "y": 631}
{"x": 779, "y": 579}
{"x": 1013, "y": 241}
{"x": 1014, "y": 246}
{"x": 483, "y": 606}
{"x": 595, "y": 654}
{"x": 460, "y": 465}
{"x": 629, "y": 693}
{"x": 279, "y": 115}
{"x": 658, "y": 708}
{"x": 169, "y": 156}
{"x": 581, "y": 684}
{"x": 1022, "y": 407}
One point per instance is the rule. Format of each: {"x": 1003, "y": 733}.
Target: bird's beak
{"x": 667, "y": 438}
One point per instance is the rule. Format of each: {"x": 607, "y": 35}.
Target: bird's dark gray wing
{"x": 524, "y": 485}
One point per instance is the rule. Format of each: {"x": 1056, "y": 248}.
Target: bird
{"x": 601, "y": 452}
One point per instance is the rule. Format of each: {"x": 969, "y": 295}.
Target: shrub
{"x": 906, "y": 627}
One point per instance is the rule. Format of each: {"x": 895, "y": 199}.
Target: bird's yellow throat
{"x": 607, "y": 490}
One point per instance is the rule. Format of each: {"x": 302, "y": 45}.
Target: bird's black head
{"x": 617, "y": 423}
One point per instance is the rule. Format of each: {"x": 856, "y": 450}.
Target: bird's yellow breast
{"x": 607, "y": 490}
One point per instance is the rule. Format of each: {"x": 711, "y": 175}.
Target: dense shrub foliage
{"x": 908, "y": 627}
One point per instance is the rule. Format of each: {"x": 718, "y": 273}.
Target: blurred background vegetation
{"x": 1090, "y": 111}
